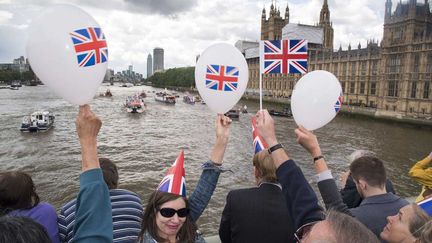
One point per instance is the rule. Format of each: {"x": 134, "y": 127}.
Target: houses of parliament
{"x": 392, "y": 77}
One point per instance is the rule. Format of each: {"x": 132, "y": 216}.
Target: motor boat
{"x": 38, "y": 121}
{"x": 134, "y": 104}
{"x": 188, "y": 99}
{"x": 165, "y": 98}
{"x": 286, "y": 112}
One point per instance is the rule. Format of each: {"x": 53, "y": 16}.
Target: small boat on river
{"x": 234, "y": 114}
{"x": 165, "y": 98}
{"x": 37, "y": 122}
{"x": 189, "y": 99}
{"x": 106, "y": 94}
{"x": 134, "y": 104}
{"x": 286, "y": 112}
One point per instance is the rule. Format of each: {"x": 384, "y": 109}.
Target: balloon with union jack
{"x": 258, "y": 142}
{"x": 174, "y": 182}
{"x": 338, "y": 104}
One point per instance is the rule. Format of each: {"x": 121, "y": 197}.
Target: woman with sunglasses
{"x": 170, "y": 217}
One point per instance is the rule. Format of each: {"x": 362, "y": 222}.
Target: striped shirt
{"x": 127, "y": 212}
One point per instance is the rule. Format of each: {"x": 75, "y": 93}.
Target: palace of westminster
{"x": 393, "y": 76}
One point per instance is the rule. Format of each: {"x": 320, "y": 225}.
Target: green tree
{"x": 177, "y": 77}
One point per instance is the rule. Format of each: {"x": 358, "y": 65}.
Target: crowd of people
{"x": 280, "y": 207}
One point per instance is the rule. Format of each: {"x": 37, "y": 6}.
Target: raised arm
{"x": 93, "y": 221}
{"x": 300, "y": 198}
{"x": 326, "y": 183}
{"x": 421, "y": 172}
{"x": 211, "y": 169}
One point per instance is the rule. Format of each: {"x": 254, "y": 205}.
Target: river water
{"x": 145, "y": 145}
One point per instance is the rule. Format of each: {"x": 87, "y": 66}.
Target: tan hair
{"x": 348, "y": 229}
{"x": 426, "y": 233}
{"x": 265, "y": 167}
{"x": 418, "y": 221}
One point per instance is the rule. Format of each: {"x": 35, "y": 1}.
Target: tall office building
{"x": 149, "y": 66}
{"x": 158, "y": 56}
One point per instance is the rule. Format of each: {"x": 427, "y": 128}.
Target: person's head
{"x": 110, "y": 172}
{"x": 427, "y": 193}
{"x": 264, "y": 168}
{"x": 406, "y": 225}
{"x": 368, "y": 172}
{"x": 359, "y": 153}
{"x": 337, "y": 227}
{"x": 22, "y": 230}
{"x": 17, "y": 191}
{"x": 167, "y": 216}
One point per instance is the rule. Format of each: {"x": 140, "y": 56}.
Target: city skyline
{"x": 185, "y": 28}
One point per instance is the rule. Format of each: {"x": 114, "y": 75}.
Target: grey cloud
{"x": 163, "y": 7}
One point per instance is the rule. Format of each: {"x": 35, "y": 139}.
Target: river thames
{"x": 145, "y": 145}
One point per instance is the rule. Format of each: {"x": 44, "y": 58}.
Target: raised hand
{"x": 308, "y": 141}
{"x": 222, "y": 127}
{"x": 266, "y": 127}
{"x": 88, "y": 126}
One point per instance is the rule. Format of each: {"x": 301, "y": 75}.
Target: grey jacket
{"x": 372, "y": 212}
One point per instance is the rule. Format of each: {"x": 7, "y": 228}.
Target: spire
{"x": 325, "y": 14}
{"x": 263, "y": 15}
{"x": 388, "y": 8}
{"x": 359, "y": 46}
{"x": 287, "y": 14}
{"x": 349, "y": 46}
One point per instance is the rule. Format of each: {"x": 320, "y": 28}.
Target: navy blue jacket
{"x": 301, "y": 200}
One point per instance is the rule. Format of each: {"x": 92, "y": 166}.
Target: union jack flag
{"x": 222, "y": 78}
{"x": 284, "y": 56}
{"x": 258, "y": 142}
{"x": 174, "y": 182}
{"x": 338, "y": 104}
{"x": 90, "y": 46}
{"x": 426, "y": 205}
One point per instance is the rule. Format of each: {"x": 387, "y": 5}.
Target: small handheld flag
{"x": 426, "y": 205}
{"x": 283, "y": 56}
{"x": 258, "y": 142}
{"x": 174, "y": 182}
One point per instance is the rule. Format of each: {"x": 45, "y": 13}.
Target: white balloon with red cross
{"x": 221, "y": 76}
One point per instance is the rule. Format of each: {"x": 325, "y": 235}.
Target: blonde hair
{"x": 265, "y": 167}
{"x": 417, "y": 224}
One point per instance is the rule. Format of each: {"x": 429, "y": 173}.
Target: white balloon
{"x": 316, "y": 99}
{"x": 54, "y": 59}
{"x": 216, "y": 61}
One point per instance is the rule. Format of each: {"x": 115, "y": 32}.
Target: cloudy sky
{"x": 184, "y": 28}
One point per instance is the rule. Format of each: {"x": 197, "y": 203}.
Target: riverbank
{"x": 365, "y": 112}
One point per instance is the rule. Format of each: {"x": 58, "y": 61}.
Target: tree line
{"x": 11, "y": 75}
{"x": 178, "y": 77}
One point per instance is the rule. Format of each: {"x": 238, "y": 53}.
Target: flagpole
{"x": 260, "y": 87}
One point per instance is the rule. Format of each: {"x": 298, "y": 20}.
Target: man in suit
{"x": 257, "y": 214}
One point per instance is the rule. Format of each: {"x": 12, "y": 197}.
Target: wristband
{"x": 315, "y": 159}
{"x": 274, "y": 148}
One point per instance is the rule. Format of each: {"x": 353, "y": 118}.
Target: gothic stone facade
{"x": 393, "y": 76}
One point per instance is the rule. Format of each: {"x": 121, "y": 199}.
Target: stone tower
{"x": 271, "y": 28}
{"x": 327, "y": 26}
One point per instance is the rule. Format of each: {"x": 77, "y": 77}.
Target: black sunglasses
{"x": 304, "y": 230}
{"x": 169, "y": 212}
